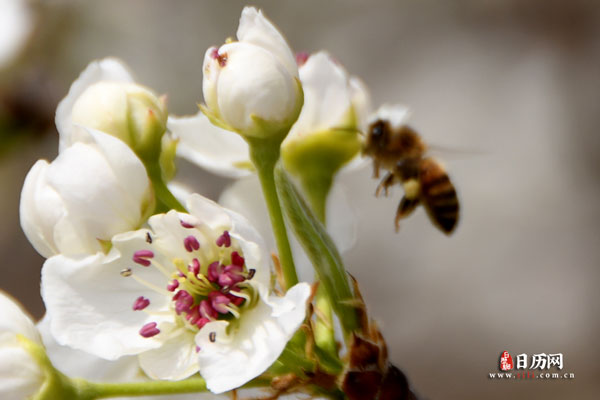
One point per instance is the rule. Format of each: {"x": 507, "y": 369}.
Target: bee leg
{"x": 385, "y": 184}
{"x": 375, "y": 169}
{"x": 405, "y": 208}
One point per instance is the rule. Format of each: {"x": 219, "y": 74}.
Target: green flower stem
{"x": 91, "y": 390}
{"x": 165, "y": 200}
{"x": 317, "y": 187}
{"x": 264, "y": 153}
{"x": 321, "y": 250}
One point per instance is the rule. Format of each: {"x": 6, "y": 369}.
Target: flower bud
{"x": 327, "y": 134}
{"x": 94, "y": 189}
{"x": 21, "y": 376}
{"x": 251, "y": 86}
{"x": 127, "y": 111}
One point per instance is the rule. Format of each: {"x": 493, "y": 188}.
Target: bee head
{"x": 377, "y": 136}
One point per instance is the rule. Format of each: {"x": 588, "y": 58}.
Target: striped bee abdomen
{"x": 438, "y": 195}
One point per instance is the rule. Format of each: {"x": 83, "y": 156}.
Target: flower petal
{"x": 361, "y": 101}
{"x": 208, "y": 146}
{"x": 236, "y": 357}
{"x": 256, "y": 29}
{"x": 326, "y": 96}
{"x": 15, "y": 320}
{"x": 79, "y": 364}
{"x": 20, "y": 375}
{"x": 396, "y": 114}
{"x": 107, "y": 69}
{"x": 38, "y": 222}
{"x": 89, "y": 302}
{"x": 176, "y": 359}
{"x": 254, "y": 83}
{"x": 104, "y": 190}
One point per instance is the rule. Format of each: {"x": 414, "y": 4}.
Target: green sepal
{"x": 56, "y": 385}
{"x": 320, "y": 249}
{"x": 214, "y": 118}
{"x": 167, "y": 157}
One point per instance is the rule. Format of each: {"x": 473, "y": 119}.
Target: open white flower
{"x": 20, "y": 375}
{"x": 189, "y": 294}
{"x": 93, "y": 190}
{"x": 253, "y": 78}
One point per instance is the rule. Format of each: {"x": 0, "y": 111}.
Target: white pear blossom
{"x": 189, "y": 294}
{"x": 328, "y": 133}
{"x": 101, "y": 71}
{"x": 20, "y": 375}
{"x": 253, "y": 78}
{"x": 333, "y": 99}
{"x": 105, "y": 97}
{"x": 93, "y": 190}
{"x": 16, "y": 24}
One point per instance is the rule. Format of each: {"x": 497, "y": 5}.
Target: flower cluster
{"x": 180, "y": 286}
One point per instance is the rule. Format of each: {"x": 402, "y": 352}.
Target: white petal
{"x": 100, "y": 199}
{"x": 176, "y": 359}
{"x": 217, "y": 150}
{"x": 107, "y": 69}
{"x": 94, "y": 189}
{"x": 40, "y": 209}
{"x": 75, "y": 363}
{"x": 210, "y": 75}
{"x": 89, "y": 303}
{"x": 79, "y": 364}
{"x": 254, "y": 82}
{"x": 180, "y": 190}
{"x": 16, "y": 23}
{"x": 256, "y": 29}
{"x": 327, "y": 97}
{"x": 396, "y": 114}
{"x": 236, "y": 357}
{"x": 341, "y": 220}
{"x": 15, "y": 319}
{"x": 361, "y": 101}
{"x": 20, "y": 376}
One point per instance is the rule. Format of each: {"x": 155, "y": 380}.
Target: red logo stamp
{"x": 506, "y": 361}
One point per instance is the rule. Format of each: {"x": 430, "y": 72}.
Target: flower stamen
{"x": 140, "y": 303}
{"x": 149, "y": 330}
{"x": 142, "y": 257}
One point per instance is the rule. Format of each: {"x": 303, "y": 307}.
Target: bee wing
{"x": 438, "y": 195}
{"x": 455, "y": 153}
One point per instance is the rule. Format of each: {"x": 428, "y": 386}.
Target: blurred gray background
{"x": 516, "y": 83}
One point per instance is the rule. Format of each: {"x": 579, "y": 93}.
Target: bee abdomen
{"x": 439, "y": 195}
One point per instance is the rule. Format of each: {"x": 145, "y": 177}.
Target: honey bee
{"x": 400, "y": 150}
